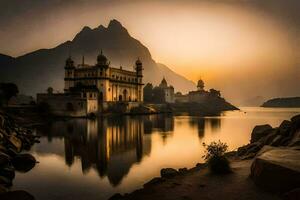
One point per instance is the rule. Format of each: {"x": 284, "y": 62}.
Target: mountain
{"x": 36, "y": 71}
{"x": 288, "y": 102}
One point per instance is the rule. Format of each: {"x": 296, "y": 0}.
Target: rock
{"x": 276, "y": 169}
{"x": 277, "y": 140}
{"x": 248, "y": 156}
{"x": 116, "y": 196}
{"x": 292, "y": 195}
{"x": 8, "y": 172}
{"x": 4, "y": 160}
{"x": 16, "y": 195}
{"x": 260, "y": 132}
{"x": 16, "y": 142}
{"x": 269, "y": 138}
{"x": 295, "y": 141}
{"x": 183, "y": 170}
{"x": 254, "y": 148}
{"x": 296, "y": 122}
{"x": 154, "y": 181}
{"x": 5, "y": 181}
{"x": 23, "y": 162}
{"x": 285, "y": 127}
{"x": 3, "y": 189}
{"x": 168, "y": 173}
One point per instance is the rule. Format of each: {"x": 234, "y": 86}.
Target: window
{"x": 91, "y": 95}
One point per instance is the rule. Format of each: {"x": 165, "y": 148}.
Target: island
{"x": 288, "y": 102}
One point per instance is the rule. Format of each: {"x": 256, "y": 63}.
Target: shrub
{"x": 215, "y": 157}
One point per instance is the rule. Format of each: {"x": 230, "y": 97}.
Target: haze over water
{"x": 86, "y": 159}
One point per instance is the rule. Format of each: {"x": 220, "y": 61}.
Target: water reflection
{"x": 202, "y": 124}
{"x": 85, "y": 159}
{"x": 109, "y": 145}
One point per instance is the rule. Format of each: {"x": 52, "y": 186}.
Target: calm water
{"x": 93, "y": 159}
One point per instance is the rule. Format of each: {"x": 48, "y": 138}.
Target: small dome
{"x": 138, "y": 62}
{"x": 101, "y": 58}
{"x": 200, "y": 85}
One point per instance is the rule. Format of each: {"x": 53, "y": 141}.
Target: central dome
{"x": 101, "y": 57}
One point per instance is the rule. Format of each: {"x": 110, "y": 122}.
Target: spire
{"x": 82, "y": 60}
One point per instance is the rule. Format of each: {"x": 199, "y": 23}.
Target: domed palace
{"x": 93, "y": 88}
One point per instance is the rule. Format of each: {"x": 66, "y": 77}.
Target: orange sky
{"x": 216, "y": 41}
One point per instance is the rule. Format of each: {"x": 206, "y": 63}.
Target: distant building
{"x": 92, "y": 88}
{"x": 198, "y": 96}
{"x": 168, "y": 90}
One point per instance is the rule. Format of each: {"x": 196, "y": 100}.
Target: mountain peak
{"x": 115, "y": 23}
{"x": 116, "y": 26}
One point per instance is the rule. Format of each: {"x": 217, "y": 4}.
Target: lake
{"x": 93, "y": 159}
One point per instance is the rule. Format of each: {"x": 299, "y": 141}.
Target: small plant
{"x": 215, "y": 157}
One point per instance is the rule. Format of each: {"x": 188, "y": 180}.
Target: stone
{"x": 269, "y": 138}
{"x": 260, "y": 131}
{"x": 17, "y": 195}
{"x": 292, "y": 195}
{"x": 295, "y": 141}
{"x": 5, "y": 181}
{"x": 285, "y": 127}
{"x": 277, "y": 140}
{"x": 3, "y": 189}
{"x": 4, "y": 160}
{"x": 8, "y": 172}
{"x": 154, "y": 181}
{"x": 23, "y": 162}
{"x": 168, "y": 173}
{"x": 183, "y": 170}
{"x": 276, "y": 169}
{"x": 254, "y": 148}
{"x": 16, "y": 142}
{"x": 296, "y": 122}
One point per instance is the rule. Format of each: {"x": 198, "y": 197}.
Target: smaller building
{"x": 198, "y": 96}
{"x": 168, "y": 90}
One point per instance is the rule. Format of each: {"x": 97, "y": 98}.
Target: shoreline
{"x": 199, "y": 183}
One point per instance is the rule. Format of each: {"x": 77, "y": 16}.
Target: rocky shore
{"x": 14, "y": 140}
{"x": 266, "y": 168}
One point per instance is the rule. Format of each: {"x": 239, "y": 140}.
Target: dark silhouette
{"x": 7, "y": 90}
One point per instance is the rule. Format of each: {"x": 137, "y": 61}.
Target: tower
{"x": 139, "y": 77}
{"x": 200, "y": 85}
{"x": 69, "y": 74}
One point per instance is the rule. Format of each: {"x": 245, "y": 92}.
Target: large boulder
{"x": 23, "y": 162}
{"x": 260, "y": 131}
{"x": 285, "y": 127}
{"x": 277, "y": 169}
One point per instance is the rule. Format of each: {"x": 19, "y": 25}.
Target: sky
{"x": 241, "y": 47}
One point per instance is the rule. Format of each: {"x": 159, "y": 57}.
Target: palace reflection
{"x": 203, "y": 123}
{"x": 110, "y": 145}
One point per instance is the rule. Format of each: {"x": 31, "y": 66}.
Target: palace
{"x": 93, "y": 88}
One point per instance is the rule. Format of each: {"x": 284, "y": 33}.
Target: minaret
{"x": 139, "y": 76}
{"x": 69, "y": 74}
{"x": 82, "y": 60}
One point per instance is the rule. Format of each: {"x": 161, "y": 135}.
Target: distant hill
{"x": 290, "y": 102}
{"x": 36, "y": 71}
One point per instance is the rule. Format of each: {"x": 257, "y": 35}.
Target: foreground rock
{"x": 277, "y": 169}
{"x": 14, "y": 139}
{"x": 286, "y": 135}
